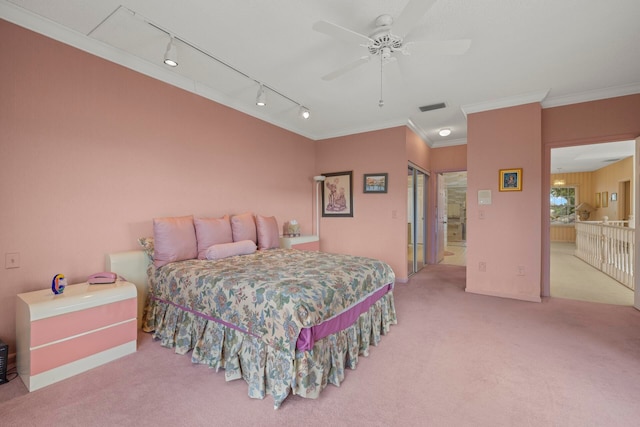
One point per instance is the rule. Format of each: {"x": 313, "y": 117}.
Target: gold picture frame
{"x": 597, "y": 200}
{"x": 605, "y": 199}
{"x": 510, "y": 179}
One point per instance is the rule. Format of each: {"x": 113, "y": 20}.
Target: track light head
{"x": 171, "y": 54}
{"x": 304, "y": 112}
{"x": 261, "y": 98}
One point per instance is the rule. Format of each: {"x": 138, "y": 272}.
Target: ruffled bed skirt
{"x": 265, "y": 369}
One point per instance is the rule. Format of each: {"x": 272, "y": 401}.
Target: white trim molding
{"x": 511, "y": 101}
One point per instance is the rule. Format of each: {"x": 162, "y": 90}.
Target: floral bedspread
{"x": 271, "y": 294}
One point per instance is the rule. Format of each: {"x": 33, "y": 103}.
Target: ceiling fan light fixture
{"x": 304, "y": 112}
{"x": 261, "y": 97}
{"x": 171, "y": 54}
{"x": 444, "y": 132}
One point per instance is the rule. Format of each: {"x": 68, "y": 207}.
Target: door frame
{"x": 425, "y": 223}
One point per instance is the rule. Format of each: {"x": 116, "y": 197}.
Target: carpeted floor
{"x": 454, "y": 359}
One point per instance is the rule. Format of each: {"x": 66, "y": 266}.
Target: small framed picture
{"x": 375, "y": 182}
{"x": 337, "y": 194}
{"x": 614, "y": 197}
{"x": 605, "y": 199}
{"x": 510, "y": 179}
{"x": 597, "y": 200}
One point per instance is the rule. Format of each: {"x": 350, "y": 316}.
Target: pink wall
{"x": 93, "y": 151}
{"x": 505, "y": 234}
{"x": 613, "y": 119}
{"x": 418, "y": 152}
{"x": 449, "y": 159}
{"x": 379, "y": 225}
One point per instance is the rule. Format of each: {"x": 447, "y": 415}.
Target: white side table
{"x": 304, "y": 243}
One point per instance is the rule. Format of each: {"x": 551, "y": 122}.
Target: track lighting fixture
{"x": 171, "y": 60}
{"x": 171, "y": 54}
{"x": 261, "y": 98}
{"x": 445, "y": 132}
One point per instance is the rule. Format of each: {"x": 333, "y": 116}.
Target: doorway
{"x": 416, "y": 219}
{"x": 455, "y": 214}
{"x": 596, "y": 178}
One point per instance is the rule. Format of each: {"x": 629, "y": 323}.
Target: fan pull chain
{"x": 381, "y": 101}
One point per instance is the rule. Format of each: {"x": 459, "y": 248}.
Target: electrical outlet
{"x": 12, "y": 260}
{"x": 521, "y": 270}
{"x": 482, "y": 266}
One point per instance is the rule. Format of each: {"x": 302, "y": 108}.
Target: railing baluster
{"x": 610, "y": 247}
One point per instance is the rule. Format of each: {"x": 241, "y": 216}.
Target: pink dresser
{"x": 59, "y": 336}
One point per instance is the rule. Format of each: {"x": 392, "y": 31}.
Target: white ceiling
{"x": 553, "y": 51}
{"x": 588, "y": 158}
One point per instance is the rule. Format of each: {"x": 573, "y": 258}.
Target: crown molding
{"x": 592, "y": 95}
{"x": 418, "y": 131}
{"x": 450, "y": 143}
{"x": 511, "y": 101}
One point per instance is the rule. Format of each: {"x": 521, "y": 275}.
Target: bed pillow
{"x": 212, "y": 231}
{"x": 225, "y": 250}
{"x": 147, "y": 246}
{"x": 174, "y": 240}
{"x": 267, "y": 231}
{"x": 243, "y": 227}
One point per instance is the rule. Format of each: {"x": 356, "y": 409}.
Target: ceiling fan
{"x": 388, "y": 38}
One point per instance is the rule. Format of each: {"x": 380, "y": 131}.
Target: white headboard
{"x": 132, "y": 266}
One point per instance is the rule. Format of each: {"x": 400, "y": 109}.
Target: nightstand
{"x": 303, "y": 243}
{"x": 59, "y": 336}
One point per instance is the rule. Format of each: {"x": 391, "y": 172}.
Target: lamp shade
{"x": 584, "y": 210}
{"x": 585, "y": 207}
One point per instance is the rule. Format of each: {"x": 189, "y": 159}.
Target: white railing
{"x": 609, "y": 248}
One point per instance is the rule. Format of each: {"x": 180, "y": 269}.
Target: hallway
{"x": 571, "y": 278}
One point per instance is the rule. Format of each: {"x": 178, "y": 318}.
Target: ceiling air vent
{"x": 432, "y": 107}
{"x": 610, "y": 160}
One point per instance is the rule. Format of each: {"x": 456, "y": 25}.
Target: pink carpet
{"x": 454, "y": 359}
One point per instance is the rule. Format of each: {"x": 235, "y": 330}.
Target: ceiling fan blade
{"x": 443, "y": 47}
{"x": 340, "y": 71}
{"x": 410, "y": 15}
{"x": 341, "y": 33}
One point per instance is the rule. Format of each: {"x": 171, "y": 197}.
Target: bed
{"x": 284, "y": 320}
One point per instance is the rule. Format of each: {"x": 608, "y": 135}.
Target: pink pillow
{"x": 267, "y": 230}
{"x": 224, "y": 250}
{"x": 212, "y": 231}
{"x": 243, "y": 227}
{"x": 174, "y": 240}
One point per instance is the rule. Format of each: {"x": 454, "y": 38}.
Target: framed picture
{"x": 605, "y": 199}
{"x": 375, "y": 182}
{"x": 337, "y": 194}
{"x": 510, "y": 179}
{"x": 597, "y": 200}
{"x": 614, "y": 197}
